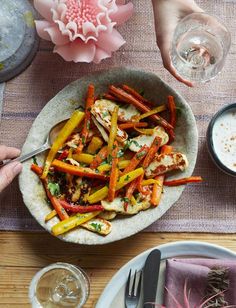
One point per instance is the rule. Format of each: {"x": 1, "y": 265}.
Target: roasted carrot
{"x": 114, "y": 173}
{"x": 133, "y": 92}
{"x": 113, "y": 129}
{"x": 129, "y": 192}
{"x": 87, "y": 119}
{"x": 128, "y": 98}
{"x": 74, "y": 208}
{"x": 110, "y": 97}
{"x": 54, "y": 201}
{"x": 137, "y": 158}
{"x": 183, "y": 181}
{"x": 99, "y": 158}
{"x": 128, "y": 125}
{"x": 158, "y": 188}
{"x": 147, "y": 160}
{"x": 172, "y": 109}
{"x": 79, "y": 171}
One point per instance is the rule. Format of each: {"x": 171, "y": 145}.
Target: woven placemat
{"x": 208, "y": 207}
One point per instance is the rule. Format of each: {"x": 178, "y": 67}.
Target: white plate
{"x": 113, "y": 294}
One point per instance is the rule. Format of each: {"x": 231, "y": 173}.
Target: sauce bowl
{"x": 221, "y": 139}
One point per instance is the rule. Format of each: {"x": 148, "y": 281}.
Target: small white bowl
{"x": 221, "y": 139}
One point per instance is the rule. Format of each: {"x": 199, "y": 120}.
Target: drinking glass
{"x": 199, "y": 47}
{"x": 59, "y": 285}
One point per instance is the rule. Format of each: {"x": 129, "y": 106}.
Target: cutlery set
{"x": 146, "y": 281}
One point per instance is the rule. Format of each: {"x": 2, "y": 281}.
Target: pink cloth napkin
{"x": 194, "y": 273}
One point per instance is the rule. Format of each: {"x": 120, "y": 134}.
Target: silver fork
{"x": 132, "y": 290}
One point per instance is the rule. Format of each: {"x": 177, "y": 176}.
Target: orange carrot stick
{"x": 129, "y": 192}
{"x": 133, "y": 92}
{"x": 172, "y": 109}
{"x": 99, "y": 158}
{"x": 136, "y": 159}
{"x": 87, "y": 119}
{"x": 79, "y": 171}
{"x": 128, "y": 125}
{"x": 158, "y": 188}
{"x": 183, "y": 181}
{"x": 54, "y": 201}
{"x": 128, "y": 98}
{"x": 147, "y": 160}
{"x": 114, "y": 173}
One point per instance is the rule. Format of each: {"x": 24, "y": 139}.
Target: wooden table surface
{"x": 23, "y": 254}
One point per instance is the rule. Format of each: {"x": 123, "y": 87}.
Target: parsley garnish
{"x": 54, "y": 188}
{"x": 97, "y": 227}
{"x": 125, "y": 199}
{"x": 83, "y": 140}
{"x": 120, "y": 153}
{"x": 141, "y": 154}
{"x": 105, "y": 114}
{"x": 127, "y": 178}
{"x": 35, "y": 160}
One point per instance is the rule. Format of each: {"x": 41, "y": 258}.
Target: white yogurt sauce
{"x": 224, "y": 138}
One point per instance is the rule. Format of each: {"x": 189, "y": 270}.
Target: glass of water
{"x": 59, "y": 285}
{"x": 199, "y": 47}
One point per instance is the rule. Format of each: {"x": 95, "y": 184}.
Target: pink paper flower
{"x": 82, "y": 30}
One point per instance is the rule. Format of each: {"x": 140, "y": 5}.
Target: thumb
{"x": 8, "y": 172}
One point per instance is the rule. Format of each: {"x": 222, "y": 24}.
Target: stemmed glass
{"x": 199, "y": 47}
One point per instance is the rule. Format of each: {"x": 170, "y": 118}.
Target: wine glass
{"x": 59, "y": 285}
{"x": 199, "y": 47}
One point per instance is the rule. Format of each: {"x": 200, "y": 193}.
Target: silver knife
{"x": 150, "y": 277}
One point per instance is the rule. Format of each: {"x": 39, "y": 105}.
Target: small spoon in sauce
{"x": 47, "y": 145}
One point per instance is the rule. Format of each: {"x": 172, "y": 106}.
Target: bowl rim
{"x": 210, "y": 144}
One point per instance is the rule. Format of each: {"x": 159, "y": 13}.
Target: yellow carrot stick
{"x": 150, "y": 182}
{"x": 145, "y": 131}
{"x": 106, "y": 167}
{"x": 83, "y": 158}
{"x": 149, "y": 113}
{"x": 65, "y": 132}
{"x": 72, "y": 222}
{"x": 50, "y": 215}
{"x": 102, "y": 193}
{"x": 94, "y": 145}
{"x": 113, "y": 130}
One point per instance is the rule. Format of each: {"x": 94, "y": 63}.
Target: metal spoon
{"x": 50, "y": 139}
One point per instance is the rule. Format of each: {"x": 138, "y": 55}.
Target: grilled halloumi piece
{"x": 163, "y": 163}
{"x": 105, "y": 106}
{"x": 98, "y": 225}
{"x": 137, "y": 142}
{"x": 102, "y": 110}
{"x": 108, "y": 215}
{"x": 117, "y": 205}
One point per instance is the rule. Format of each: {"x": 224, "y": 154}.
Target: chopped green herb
{"x": 135, "y": 143}
{"x": 105, "y": 114}
{"x": 35, "y": 160}
{"x": 83, "y": 140}
{"x": 120, "y": 153}
{"x": 97, "y": 227}
{"x": 109, "y": 158}
{"x": 141, "y": 92}
{"x": 125, "y": 199}
{"x": 141, "y": 154}
{"x": 54, "y": 188}
{"x": 104, "y": 162}
{"x": 127, "y": 178}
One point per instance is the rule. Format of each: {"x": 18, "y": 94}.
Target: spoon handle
{"x": 24, "y": 157}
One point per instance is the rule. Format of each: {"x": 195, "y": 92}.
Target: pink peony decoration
{"x": 82, "y": 30}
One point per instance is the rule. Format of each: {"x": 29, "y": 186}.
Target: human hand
{"x": 8, "y": 172}
{"x": 167, "y": 14}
